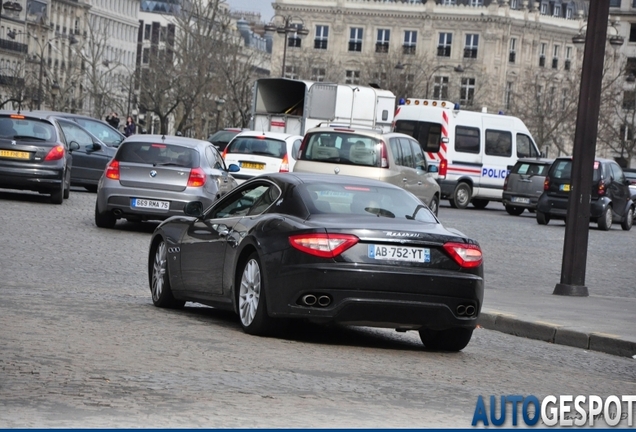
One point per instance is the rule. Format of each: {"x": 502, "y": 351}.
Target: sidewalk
{"x": 599, "y": 323}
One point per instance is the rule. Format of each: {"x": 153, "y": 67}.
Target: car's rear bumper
{"x": 510, "y": 199}
{"x": 36, "y": 179}
{"x": 557, "y": 207}
{"x": 401, "y": 298}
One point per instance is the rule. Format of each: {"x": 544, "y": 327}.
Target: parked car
{"x": 90, "y": 159}
{"x": 392, "y": 157}
{"x": 222, "y": 138}
{"x": 152, "y": 177}
{"x": 35, "y": 156}
{"x": 329, "y": 248}
{"x": 524, "y": 185}
{"x": 262, "y": 152}
{"x": 100, "y": 129}
{"x": 610, "y": 198}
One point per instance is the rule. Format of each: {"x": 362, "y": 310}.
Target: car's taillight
{"x": 384, "y": 159}
{"x": 284, "y": 166}
{"x": 464, "y": 254}
{"x": 112, "y": 170}
{"x": 55, "y": 153}
{"x": 443, "y": 168}
{"x": 506, "y": 183}
{"x": 546, "y": 183}
{"x": 224, "y": 152}
{"x": 197, "y": 177}
{"x": 323, "y": 245}
{"x": 601, "y": 188}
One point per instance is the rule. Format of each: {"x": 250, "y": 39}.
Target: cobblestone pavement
{"x": 82, "y": 346}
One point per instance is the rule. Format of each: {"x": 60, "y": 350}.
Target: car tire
{"x": 461, "y": 196}
{"x": 514, "y": 210}
{"x": 159, "y": 278}
{"x": 628, "y": 220}
{"x": 605, "y": 221}
{"x": 67, "y": 186}
{"x": 104, "y": 220}
{"x": 454, "y": 339}
{"x": 480, "y": 203}
{"x": 251, "y": 301}
{"x": 434, "y": 205}
{"x": 542, "y": 218}
{"x": 57, "y": 196}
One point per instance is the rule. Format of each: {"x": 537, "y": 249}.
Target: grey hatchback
{"x": 524, "y": 185}
{"x": 152, "y": 177}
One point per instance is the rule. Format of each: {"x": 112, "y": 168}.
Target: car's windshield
{"x": 158, "y": 154}
{"x": 105, "y": 133}
{"x": 260, "y": 146}
{"x": 530, "y": 169}
{"x": 361, "y": 200}
{"x": 20, "y": 128}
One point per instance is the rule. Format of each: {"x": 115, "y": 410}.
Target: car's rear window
{"x": 258, "y": 146}
{"x": 158, "y": 154}
{"x": 562, "y": 170}
{"x": 25, "y": 128}
{"x": 361, "y": 200}
{"x": 530, "y": 169}
{"x": 344, "y": 148}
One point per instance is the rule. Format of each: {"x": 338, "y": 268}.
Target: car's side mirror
{"x": 233, "y": 168}
{"x": 73, "y": 145}
{"x": 194, "y": 209}
{"x": 432, "y": 169}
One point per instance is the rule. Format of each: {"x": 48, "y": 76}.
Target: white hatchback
{"x": 262, "y": 152}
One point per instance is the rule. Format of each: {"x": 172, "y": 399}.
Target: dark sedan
{"x": 34, "y": 155}
{"x": 326, "y": 248}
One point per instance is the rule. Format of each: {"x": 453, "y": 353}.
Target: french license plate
{"x": 564, "y": 187}
{"x": 520, "y": 200}
{"x": 399, "y": 253}
{"x": 152, "y": 204}
{"x": 252, "y": 165}
{"x": 14, "y": 154}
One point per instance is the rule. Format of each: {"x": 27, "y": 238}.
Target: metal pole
{"x": 428, "y": 80}
{"x": 218, "y": 116}
{"x": 130, "y": 88}
{"x": 285, "y": 48}
{"x": 578, "y": 216}
{"x": 40, "y": 77}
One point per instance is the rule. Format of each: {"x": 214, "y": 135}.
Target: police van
{"x": 474, "y": 151}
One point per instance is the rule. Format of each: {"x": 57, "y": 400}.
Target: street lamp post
{"x": 219, "y": 108}
{"x": 290, "y": 25}
{"x": 458, "y": 69}
{"x": 55, "y": 90}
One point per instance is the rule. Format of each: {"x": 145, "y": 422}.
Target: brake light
{"x": 601, "y": 188}
{"x": 506, "y": 183}
{"x": 112, "y": 170}
{"x": 55, "y": 153}
{"x": 284, "y": 166}
{"x": 464, "y": 254}
{"x": 546, "y": 183}
{"x": 323, "y": 245}
{"x": 384, "y": 159}
{"x": 197, "y": 177}
{"x": 443, "y": 168}
{"x": 224, "y": 152}
{"x": 17, "y": 116}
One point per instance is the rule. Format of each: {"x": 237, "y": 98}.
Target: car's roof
{"x": 545, "y": 161}
{"x": 266, "y": 134}
{"x": 27, "y": 115}
{"x": 356, "y": 129}
{"x": 309, "y": 178}
{"x": 167, "y": 139}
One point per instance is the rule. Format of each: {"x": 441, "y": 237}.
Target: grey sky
{"x": 262, "y": 6}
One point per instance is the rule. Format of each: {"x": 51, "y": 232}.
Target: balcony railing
{"x": 13, "y": 46}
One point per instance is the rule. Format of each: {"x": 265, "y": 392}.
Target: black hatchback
{"x": 610, "y": 199}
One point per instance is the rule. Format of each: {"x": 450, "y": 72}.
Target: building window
{"x": 508, "y": 95}
{"x": 542, "y": 49}
{"x": 322, "y": 33}
{"x": 410, "y": 41}
{"x": 382, "y": 43}
{"x": 444, "y": 46}
{"x": 634, "y": 3}
{"x": 568, "y": 13}
{"x": 568, "y": 58}
{"x": 145, "y": 58}
{"x": 632, "y": 32}
{"x": 318, "y": 74}
{"x": 440, "y": 87}
{"x": 472, "y": 42}
{"x": 449, "y": 2}
{"x": 355, "y": 39}
{"x": 627, "y": 132}
{"x": 544, "y": 8}
{"x": 630, "y": 66}
{"x": 513, "y": 50}
{"x": 476, "y": 2}
{"x": 352, "y": 77}
{"x": 294, "y": 39}
{"x": 514, "y": 4}
{"x": 555, "y": 57}
{"x": 564, "y": 98}
{"x": 615, "y": 3}
{"x": 467, "y": 91}
{"x": 557, "y": 11}
{"x": 291, "y": 72}
{"x": 629, "y": 100}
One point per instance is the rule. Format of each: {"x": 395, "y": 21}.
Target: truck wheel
{"x": 480, "y": 203}
{"x": 461, "y": 196}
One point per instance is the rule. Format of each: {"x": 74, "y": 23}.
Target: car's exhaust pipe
{"x": 309, "y": 299}
{"x": 117, "y": 212}
{"x": 461, "y": 310}
{"x": 470, "y": 310}
{"x": 324, "y": 300}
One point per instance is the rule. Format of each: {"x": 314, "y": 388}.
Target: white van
{"x": 473, "y": 150}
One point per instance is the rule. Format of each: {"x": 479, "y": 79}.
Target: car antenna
{"x": 163, "y": 137}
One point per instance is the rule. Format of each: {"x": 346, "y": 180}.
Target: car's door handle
{"x": 224, "y": 233}
{"x": 419, "y": 183}
{"x": 405, "y": 180}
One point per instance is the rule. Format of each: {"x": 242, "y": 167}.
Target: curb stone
{"x": 553, "y": 333}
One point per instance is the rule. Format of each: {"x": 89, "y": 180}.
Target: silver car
{"x": 152, "y": 177}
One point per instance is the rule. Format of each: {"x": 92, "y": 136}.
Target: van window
{"x": 525, "y": 147}
{"x": 427, "y": 134}
{"x": 467, "y": 140}
{"x": 498, "y": 143}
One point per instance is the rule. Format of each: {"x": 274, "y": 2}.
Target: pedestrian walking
{"x": 113, "y": 119}
{"x": 129, "y": 128}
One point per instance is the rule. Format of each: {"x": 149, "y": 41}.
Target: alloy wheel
{"x": 250, "y": 292}
{"x": 159, "y": 271}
